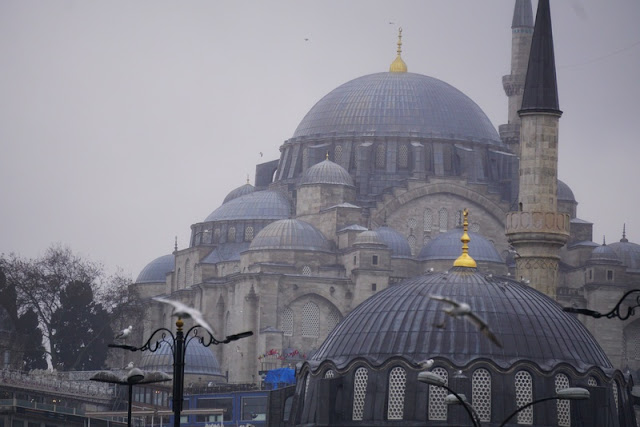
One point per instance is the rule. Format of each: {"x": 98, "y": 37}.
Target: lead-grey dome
{"x": 198, "y": 360}
{"x": 239, "y": 192}
{"x": 257, "y": 205}
{"x": 398, "y": 104}
{"x": 157, "y": 270}
{"x": 565, "y": 193}
{"x": 446, "y": 246}
{"x": 327, "y": 172}
{"x": 395, "y": 241}
{"x": 604, "y": 255}
{"x": 290, "y": 234}
{"x": 402, "y": 319}
{"x": 629, "y": 254}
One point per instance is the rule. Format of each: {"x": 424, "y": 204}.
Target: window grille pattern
{"x": 227, "y": 324}
{"x": 187, "y": 273}
{"x": 481, "y": 393}
{"x": 403, "y": 156}
{"x": 333, "y": 319}
{"x": 306, "y": 270}
{"x": 475, "y": 227}
{"x": 380, "y": 155}
{"x": 524, "y": 395}
{"x": 216, "y": 235}
{"x": 592, "y": 382}
{"x": 287, "y": 322}
{"x": 615, "y": 394}
{"x": 564, "y": 409}
{"x": 248, "y": 234}
{"x": 632, "y": 340}
{"x": 413, "y": 244}
{"x": 443, "y": 220}
{"x": 236, "y": 268}
{"x": 179, "y": 277}
{"x": 428, "y": 219}
{"x": 397, "y": 382}
{"x": 458, "y": 218}
{"x": 412, "y": 223}
{"x": 337, "y": 154}
{"x": 310, "y": 320}
{"x": 231, "y": 234}
{"x": 329, "y": 374}
{"x": 359, "y": 393}
{"x": 437, "y": 405}
{"x": 306, "y": 387}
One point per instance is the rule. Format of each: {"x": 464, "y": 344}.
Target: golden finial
{"x": 465, "y": 260}
{"x": 398, "y": 65}
{"x": 179, "y": 324}
{"x": 327, "y": 157}
{"x": 248, "y": 182}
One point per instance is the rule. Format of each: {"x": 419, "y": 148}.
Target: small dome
{"x": 199, "y": 360}
{"x": 290, "y": 234}
{"x": 402, "y": 321}
{"x": 564, "y": 193}
{"x": 239, "y": 192}
{"x": 368, "y": 237}
{"x": 327, "y": 172}
{"x": 604, "y": 255}
{"x": 157, "y": 270}
{"x": 257, "y": 205}
{"x": 447, "y": 246}
{"x": 395, "y": 241}
{"x": 628, "y": 253}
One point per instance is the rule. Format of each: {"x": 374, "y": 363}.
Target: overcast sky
{"x": 124, "y": 122}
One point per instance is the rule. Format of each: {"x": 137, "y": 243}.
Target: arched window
{"x": 231, "y": 235}
{"x": 428, "y": 219}
{"x": 306, "y": 270}
{"x": 592, "y": 382}
{"x": 227, "y": 324}
{"x": 428, "y": 158}
{"x": 248, "y": 234}
{"x": 337, "y": 155}
{"x": 524, "y": 395}
{"x": 403, "y": 156}
{"x": 179, "y": 278}
{"x": 187, "y": 273}
{"x": 412, "y": 224}
{"x": 216, "y": 235}
{"x": 310, "y": 320}
{"x": 437, "y": 405}
{"x": 333, "y": 319}
{"x": 329, "y": 374}
{"x": 359, "y": 393}
{"x": 615, "y": 394}
{"x": 481, "y": 393}
{"x": 443, "y": 220}
{"x": 413, "y": 243}
{"x": 287, "y": 322}
{"x": 564, "y": 409}
{"x": 397, "y": 383}
{"x": 381, "y": 155}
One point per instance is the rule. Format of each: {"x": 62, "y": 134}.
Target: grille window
{"x": 403, "y": 156}
{"x": 443, "y": 220}
{"x": 524, "y": 395}
{"x": 231, "y": 234}
{"x": 397, "y": 382}
{"x": 310, "y": 320}
{"x": 359, "y": 393}
{"x": 380, "y": 156}
{"x": 329, "y": 374}
{"x": 287, "y": 322}
{"x": 481, "y": 393}
{"x": 333, "y": 319}
{"x": 437, "y": 405}
{"x": 564, "y": 410}
{"x": 428, "y": 219}
{"x": 248, "y": 234}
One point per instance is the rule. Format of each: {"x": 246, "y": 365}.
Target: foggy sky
{"x": 124, "y": 122}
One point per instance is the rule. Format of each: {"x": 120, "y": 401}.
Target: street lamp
{"x": 134, "y": 376}
{"x": 434, "y": 379}
{"x": 571, "y": 393}
{"x": 178, "y": 344}
{"x": 615, "y": 311}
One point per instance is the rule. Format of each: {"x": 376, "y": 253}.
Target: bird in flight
{"x": 185, "y": 312}
{"x": 124, "y": 333}
{"x": 463, "y": 310}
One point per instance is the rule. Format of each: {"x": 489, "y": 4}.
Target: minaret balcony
{"x": 527, "y": 225}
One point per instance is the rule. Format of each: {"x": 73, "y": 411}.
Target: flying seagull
{"x": 463, "y": 310}
{"x": 124, "y": 333}
{"x": 185, "y": 312}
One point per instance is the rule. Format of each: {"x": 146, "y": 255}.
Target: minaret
{"x": 537, "y": 230}
{"x": 513, "y": 83}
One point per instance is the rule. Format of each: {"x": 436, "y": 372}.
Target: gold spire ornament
{"x": 465, "y": 260}
{"x": 398, "y": 65}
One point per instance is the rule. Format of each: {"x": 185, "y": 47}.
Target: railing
{"x": 42, "y": 406}
{"x": 54, "y": 384}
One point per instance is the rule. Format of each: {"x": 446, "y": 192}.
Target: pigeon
{"x": 125, "y": 332}
{"x": 463, "y": 310}
{"x": 426, "y": 364}
{"x": 129, "y": 366}
{"x": 185, "y": 312}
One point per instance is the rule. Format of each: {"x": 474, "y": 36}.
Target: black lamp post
{"x": 615, "y": 311}
{"x": 432, "y": 378}
{"x": 178, "y": 344}
{"x": 571, "y": 393}
{"x": 134, "y": 376}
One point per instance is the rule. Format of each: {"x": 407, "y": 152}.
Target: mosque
{"x": 366, "y": 203}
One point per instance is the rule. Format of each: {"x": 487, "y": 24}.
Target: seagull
{"x": 463, "y": 310}
{"x": 426, "y": 364}
{"x": 129, "y": 366}
{"x": 125, "y": 333}
{"x": 513, "y": 251}
{"x": 185, "y": 312}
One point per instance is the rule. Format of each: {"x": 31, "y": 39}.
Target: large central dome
{"x": 398, "y": 104}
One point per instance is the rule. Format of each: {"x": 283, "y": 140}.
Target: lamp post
{"x": 134, "y": 376}
{"x": 571, "y": 393}
{"x": 615, "y": 311}
{"x": 434, "y": 379}
{"x": 178, "y": 344}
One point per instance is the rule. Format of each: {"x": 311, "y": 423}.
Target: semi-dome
{"x": 327, "y": 172}
{"x": 398, "y": 104}
{"x": 290, "y": 234}
{"x": 446, "y": 246}
{"x": 199, "y": 360}
{"x": 395, "y": 241}
{"x": 565, "y": 193}
{"x": 157, "y": 270}
{"x": 402, "y": 321}
{"x": 257, "y": 205}
{"x": 239, "y": 192}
